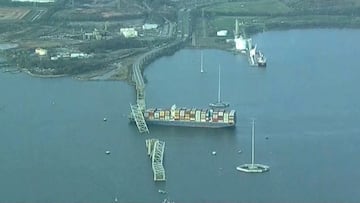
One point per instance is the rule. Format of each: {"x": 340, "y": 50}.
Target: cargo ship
{"x": 191, "y": 117}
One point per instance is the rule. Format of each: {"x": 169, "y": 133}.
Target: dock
{"x": 155, "y": 149}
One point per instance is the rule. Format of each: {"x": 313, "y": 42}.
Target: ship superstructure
{"x": 239, "y": 39}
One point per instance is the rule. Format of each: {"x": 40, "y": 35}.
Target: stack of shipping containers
{"x": 191, "y": 115}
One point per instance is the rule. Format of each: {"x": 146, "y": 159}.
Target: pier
{"x": 155, "y": 149}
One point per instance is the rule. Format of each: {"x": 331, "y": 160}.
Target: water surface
{"x": 53, "y": 138}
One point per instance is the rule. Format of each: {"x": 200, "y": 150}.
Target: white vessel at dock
{"x": 256, "y": 58}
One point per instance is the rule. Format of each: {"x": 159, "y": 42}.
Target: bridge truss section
{"x": 139, "y": 119}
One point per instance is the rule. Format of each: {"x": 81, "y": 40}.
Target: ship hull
{"x": 191, "y": 117}
{"x": 262, "y": 64}
{"x": 190, "y": 124}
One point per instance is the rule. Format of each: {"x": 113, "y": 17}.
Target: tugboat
{"x": 260, "y": 59}
{"x": 257, "y": 58}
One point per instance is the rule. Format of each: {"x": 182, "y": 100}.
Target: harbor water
{"x": 306, "y": 105}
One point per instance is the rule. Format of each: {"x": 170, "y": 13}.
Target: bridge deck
{"x": 156, "y": 152}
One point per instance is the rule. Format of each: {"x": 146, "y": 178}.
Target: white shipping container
{"x": 182, "y": 112}
{"x": 197, "y": 115}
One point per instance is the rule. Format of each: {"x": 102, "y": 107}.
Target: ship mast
{"x": 219, "y": 104}
{"x": 253, "y": 143}
{"x": 219, "y": 93}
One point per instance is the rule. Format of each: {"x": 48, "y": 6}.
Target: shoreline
{"x": 101, "y": 75}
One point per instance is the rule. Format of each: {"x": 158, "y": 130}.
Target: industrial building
{"x": 148, "y": 26}
{"x": 222, "y": 33}
{"x": 128, "y": 32}
{"x": 40, "y": 51}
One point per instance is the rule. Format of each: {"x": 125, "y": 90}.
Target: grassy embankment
{"x": 263, "y": 15}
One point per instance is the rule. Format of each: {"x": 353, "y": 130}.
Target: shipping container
{"x": 197, "y": 115}
{"x": 182, "y": 112}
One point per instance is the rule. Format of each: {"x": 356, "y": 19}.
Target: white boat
{"x": 260, "y": 59}
{"x": 253, "y": 168}
{"x": 219, "y": 104}
{"x": 256, "y": 57}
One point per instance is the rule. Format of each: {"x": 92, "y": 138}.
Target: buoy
{"x": 116, "y": 199}
{"x": 267, "y": 138}
{"x": 105, "y": 119}
{"x": 107, "y": 152}
{"x": 239, "y": 151}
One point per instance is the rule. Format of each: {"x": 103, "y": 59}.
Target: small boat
{"x": 260, "y": 59}
{"x": 219, "y": 104}
{"x": 256, "y": 57}
{"x": 105, "y": 119}
{"x": 253, "y": 168}
{"x": 107, "y": 152}
{"x": 162, "y": 191}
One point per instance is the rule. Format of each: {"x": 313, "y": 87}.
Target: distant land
{"x": 83, "y": 38}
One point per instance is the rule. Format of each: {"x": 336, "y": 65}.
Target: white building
{"x": 40, "y": 51}
{"x": 128, "y": 32}
{"x": 240, "y": 43}
{"x": 222, "y": 33}
{"x": 148, "y": 26}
